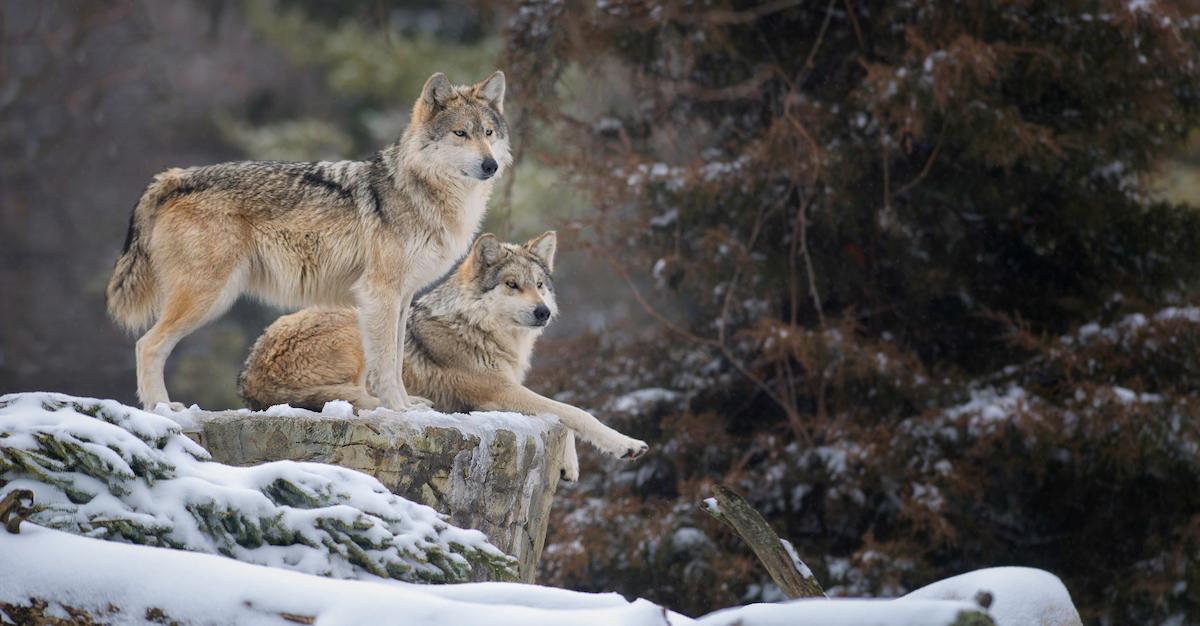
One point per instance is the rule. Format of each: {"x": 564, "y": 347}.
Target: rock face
{"x": 495, "y": 472}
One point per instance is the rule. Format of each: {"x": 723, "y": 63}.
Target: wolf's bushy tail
{"x": 132, "y": 290}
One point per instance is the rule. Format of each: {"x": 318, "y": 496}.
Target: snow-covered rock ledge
{"x": 495, "y": 472}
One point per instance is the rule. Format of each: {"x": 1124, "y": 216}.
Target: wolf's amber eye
{"x": 512, "y": 284}
{"x": 460, "y": 133}
{"x": 489, "y": 132}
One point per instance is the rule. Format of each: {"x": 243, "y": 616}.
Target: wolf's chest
{"x": 461, "y": 232}
{"x": 456, "y": 236}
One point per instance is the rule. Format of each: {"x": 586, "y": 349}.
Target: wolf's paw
{"x": 401, "y": 401}
{"x": 417, "y": 402}
{"x": 638, "y": 449}
{"x": 366, "y": 402}
{"x": 168, "y": 407}
{"x": 623, "y": 447}
{"x": 570, "y": 459}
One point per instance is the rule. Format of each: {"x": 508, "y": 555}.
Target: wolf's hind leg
{"x": 186, "y": 308}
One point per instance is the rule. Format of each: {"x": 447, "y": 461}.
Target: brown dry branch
{"x": 937, "y": 148}
{"x": 794, "y": 578}
{"x": 14, "y": 508}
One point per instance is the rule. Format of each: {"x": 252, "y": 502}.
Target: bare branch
{"x": 808, "y": 263}
{"x": 928, "y": 163}
{"x": 794, "y": 578}
{"x": 812, "y": 54}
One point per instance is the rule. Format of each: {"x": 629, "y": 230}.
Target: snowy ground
{"x": 70, "y": 571}
{"x": 96, "y": 461}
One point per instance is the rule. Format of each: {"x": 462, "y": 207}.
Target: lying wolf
{"x": 468, "y": 347}
{"x": 366, "y": 233}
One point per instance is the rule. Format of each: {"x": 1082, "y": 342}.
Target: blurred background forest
{"x": 918, "y": 278}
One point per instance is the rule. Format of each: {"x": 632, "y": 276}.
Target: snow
{"x": 199, "y": 588}
{"x": 820, "y": 612}
{"x": 481, "y": 424}
{"x": 837, "y": 456}
{"x": 155, "y": 486}
{"x": 659, "y": 270}
{"x": 689, "y": 539}
{"x": 1130, "y": 324}
{"x": 799, "y": 564}
{"x": 89, "y": 574}
{"x": 1129, "y": 396}
{"x": 637, "y": 401}
{"x": 928, "y": 496}
{"x": 1020, "y": 595}
{"x": 1191, "y": 314}
{"x": 987, "y": 407}
{"x": 715, "y": 170}
{"x": 675, "y": 178}
{"x": 665, "y": 220}
{"x": 338, "y": 408}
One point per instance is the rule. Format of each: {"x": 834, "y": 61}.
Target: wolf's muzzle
{"x": 488, "y": 167}
{"x": 541, "y": 314}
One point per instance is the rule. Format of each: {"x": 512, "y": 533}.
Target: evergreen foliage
{"x": 869, "y": 235}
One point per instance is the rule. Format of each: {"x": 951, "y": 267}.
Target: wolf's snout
{"x": 489, "y": 167}
{"x": 541, "y": 314}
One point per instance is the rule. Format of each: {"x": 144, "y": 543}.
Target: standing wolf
{"x": 469, "y": 347}
{"x": 369, "y": 233}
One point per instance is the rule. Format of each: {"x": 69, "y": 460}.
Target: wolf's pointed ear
{"x": 487, "y": 250}
{"x": 436, "y": 93}
{"x": 491, "y": 90}
{"x": 543, "y": 247}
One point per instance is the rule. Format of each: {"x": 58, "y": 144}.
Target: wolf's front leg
{"x": 379, "y": 324}
{"x": 401, "y": 339}
{"x": 590, "y": 429}
{"x": 570, "y": 460}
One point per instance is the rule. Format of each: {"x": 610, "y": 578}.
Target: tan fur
{"x": 468, "y": 347}
{"x": 365, "y": 233}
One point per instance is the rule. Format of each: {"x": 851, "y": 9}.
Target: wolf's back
{"x": 132, "y": 290}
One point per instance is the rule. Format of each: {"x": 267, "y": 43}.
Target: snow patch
{"x": 338, "y": 408}
{"x": 1020, "y": 595}
{"x": 799, "y": 564}
{"x": 638, "y": 401}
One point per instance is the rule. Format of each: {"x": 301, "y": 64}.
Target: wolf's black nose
{"x": 541, "y": 313}
{"x": 489, "y": 167}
